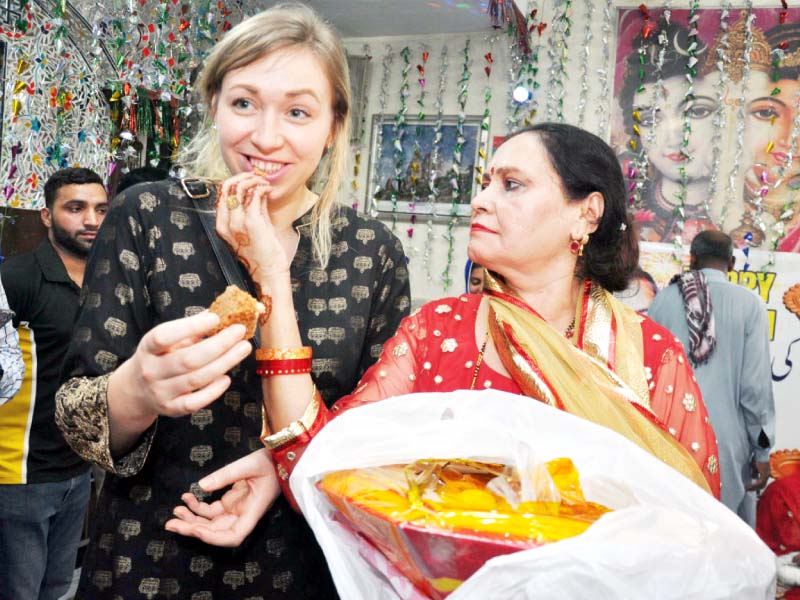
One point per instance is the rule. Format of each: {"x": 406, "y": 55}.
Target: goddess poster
{"x": 716, "y": 149}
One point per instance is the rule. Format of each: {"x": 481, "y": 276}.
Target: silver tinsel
{"x": 730, "y": 191}
{"x": 436, "y": 146}
{"x": 384, "y": 89}
{"x": 722, "y": 61}
{"x": 602, "y": 111}
{"x": 588, "y": 36}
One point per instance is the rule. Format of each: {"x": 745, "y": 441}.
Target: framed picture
{"x": 401, "y": 174}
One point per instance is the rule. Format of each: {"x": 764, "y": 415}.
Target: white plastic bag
{"x": 666, "y": 538}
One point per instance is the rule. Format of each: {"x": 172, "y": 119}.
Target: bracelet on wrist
{"x": 289, "y": 366}
{"x": 283, "y": 361}
{"x": 283, "y": 353}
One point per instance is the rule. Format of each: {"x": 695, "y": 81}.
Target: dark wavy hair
{"x": 68, "y": 176}
{"x": 585, "y": 164}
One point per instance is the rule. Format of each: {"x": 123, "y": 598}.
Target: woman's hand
{"x": 175, "y": 370}
{"x": 228, "y": 521}
{"x": 243, "y": 222}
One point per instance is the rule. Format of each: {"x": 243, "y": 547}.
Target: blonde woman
{"x": 159, "y": 404}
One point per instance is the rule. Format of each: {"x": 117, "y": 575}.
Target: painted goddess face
{"x": 769, "y": 117}
{"x": 664, "y": 121}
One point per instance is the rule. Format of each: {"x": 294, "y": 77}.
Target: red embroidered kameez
{"x": 435, "y": 350}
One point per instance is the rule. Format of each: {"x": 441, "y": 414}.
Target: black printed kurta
{"x": 152, "y": 262}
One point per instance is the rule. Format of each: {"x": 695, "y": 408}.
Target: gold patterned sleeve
{"x": 82, "y": 416}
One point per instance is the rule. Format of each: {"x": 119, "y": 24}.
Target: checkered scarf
{"x": 699, "y": 316}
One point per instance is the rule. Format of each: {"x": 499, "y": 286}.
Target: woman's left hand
{"x": 229, "y": 520}
{"x": 243, "y": 222}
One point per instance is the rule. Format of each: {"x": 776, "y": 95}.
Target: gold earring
{"x": 583, "y": 242}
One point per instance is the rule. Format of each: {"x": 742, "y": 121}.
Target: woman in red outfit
{"x": 551, "y": 228}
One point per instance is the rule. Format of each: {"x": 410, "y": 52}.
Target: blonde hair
{"x": 280, "y": 27}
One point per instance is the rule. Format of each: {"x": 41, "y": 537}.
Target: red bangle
{"x": 288, "y": 366}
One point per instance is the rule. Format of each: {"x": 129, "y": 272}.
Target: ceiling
{"x": 379, "y": 18}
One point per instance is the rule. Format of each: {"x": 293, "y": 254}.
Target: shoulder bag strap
{"x": 202, "y": 194}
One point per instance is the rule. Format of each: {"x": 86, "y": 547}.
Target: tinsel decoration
{"x": 487, "y": 98}
{"x": 602, "y": 112}
{"x": 416, "y": 158}
{"x": 463, "y": 91}
{"x": 658, "y": 88}
{"x": 730, "y": 192}
{"x": 588, "y": 36}
{"x": 357, "y": 142}
{"x": 688, "y": 98}
{"x": 522, "y": 73}
{"x": 156, "y": 45}
{"x": 436, "y": 152}
{"x": 386, "y": 67}
{"x": 721, "y": 62}
{"x": 505, "y": 14}
{"x": 637, "y": 170}
{"x": 558, "y": 53}
{"x": 399, "y": 132}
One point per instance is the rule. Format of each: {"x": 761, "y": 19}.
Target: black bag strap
{"x": 203, "y": 196}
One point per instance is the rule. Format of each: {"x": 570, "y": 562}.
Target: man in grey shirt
{"x": 724, "y": 330}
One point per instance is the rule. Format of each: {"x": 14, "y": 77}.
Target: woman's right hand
{"x": 229, "y": 520}
{"x": 244, "y": 223}
{"x": 176, "y": 370}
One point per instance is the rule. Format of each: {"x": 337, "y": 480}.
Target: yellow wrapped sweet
{"x": 438, "y": 521}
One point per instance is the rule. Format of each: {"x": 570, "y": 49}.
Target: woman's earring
{"x": 584, "y": 241}
{"x": 576, "y": 247}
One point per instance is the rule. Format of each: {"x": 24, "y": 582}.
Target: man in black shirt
{"x": 44, "y": 485}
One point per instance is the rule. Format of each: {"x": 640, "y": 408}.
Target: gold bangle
{"x": 297, "y": 428}
{"x": 283, "y": 353}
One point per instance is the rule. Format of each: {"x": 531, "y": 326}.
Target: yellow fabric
{"x": 15, "y": 416}
{"x": 550, "y": 368}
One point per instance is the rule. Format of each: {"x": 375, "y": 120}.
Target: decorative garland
{"x": 691, "y": 73}
{"x": 721, "y": 65}
{"x": 658, "y": 97}
{"x": 376, "y": 183}
{"x": 558, "y": 53}
{"x": 487, "y": 97}
{"x": 588, "y": 36}
{"x": 740, "y": 112}
{"x": 358, "y": 140}
{"x": 605, "y": 89}
{"x": 436, "y": 146}
{"x": 638, "y": 167}
{"x": 416, "y": 160}
{"x": 399, "y": 133}
{"x": 522, "y": 73}
{"x": 463, "y": 91}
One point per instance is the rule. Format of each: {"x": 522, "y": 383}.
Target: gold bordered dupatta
{"x": 598, "y": 376}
